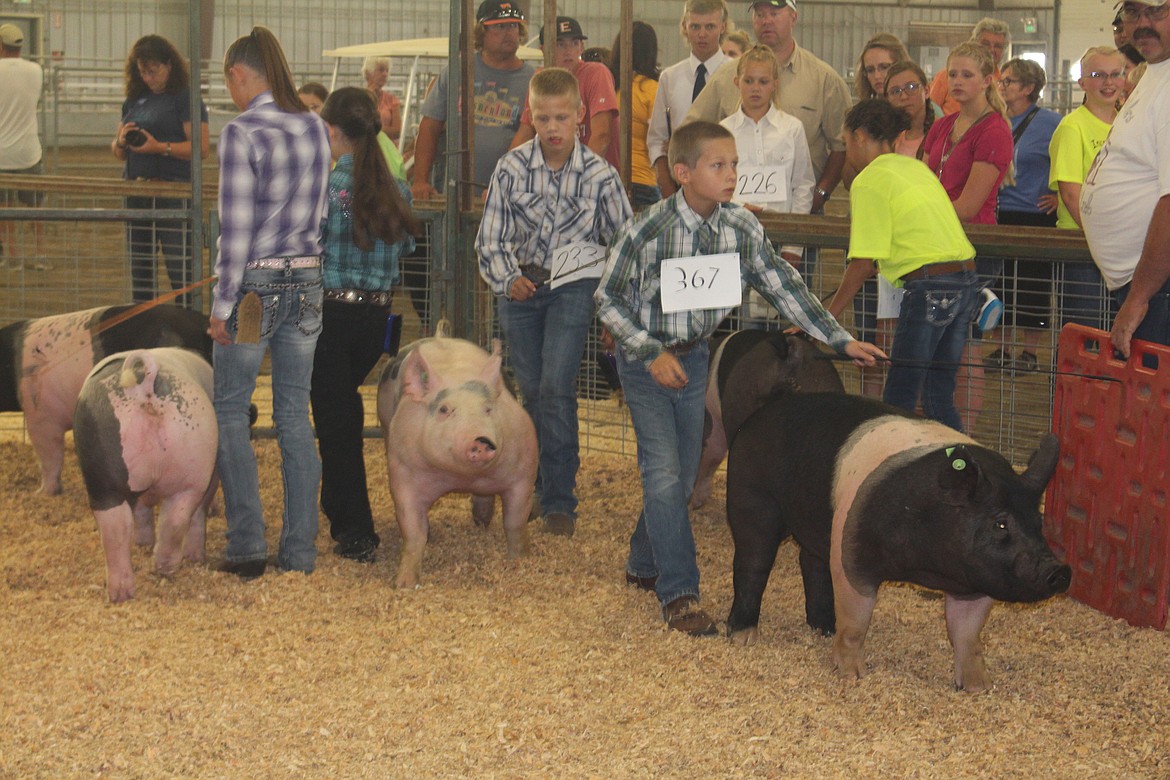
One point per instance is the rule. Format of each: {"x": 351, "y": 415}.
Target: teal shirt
{"x": 345, "y": 265}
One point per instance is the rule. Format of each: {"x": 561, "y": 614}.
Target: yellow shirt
{"x": 903, "y": 219}
{"x": 642, "y": 94}
{"x": 1073, "y": 147}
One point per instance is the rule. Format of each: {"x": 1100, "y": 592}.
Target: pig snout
{"x": 1033, "y": 580}
{"x": 481, "y": 450}
{"x": 1059, "y": 579}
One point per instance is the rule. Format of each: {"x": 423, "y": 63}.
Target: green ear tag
{"x": 958, "y": 464}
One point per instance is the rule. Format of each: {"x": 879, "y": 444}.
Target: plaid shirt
{"x": 273, "y": 177}
{"x": 531, "y": 210}
{"x": 629, "y": 299}
{"x": 346, "y": 266}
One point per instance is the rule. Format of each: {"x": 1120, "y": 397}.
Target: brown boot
{"x": 684, "y": 614}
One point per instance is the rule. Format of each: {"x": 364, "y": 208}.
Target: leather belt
{"x": 938, "y": 269}
{"x": 280, "y": 263}
{"x": 380, "y": 299}
{"x": 683, "y": 347}
{"x": 535, "y": 273}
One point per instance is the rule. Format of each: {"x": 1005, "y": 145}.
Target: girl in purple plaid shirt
{"x": 274, "y": 174}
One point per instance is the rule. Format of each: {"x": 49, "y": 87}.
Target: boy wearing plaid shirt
{"x": 663, "y": 344}
{"x": 551, "y": 200}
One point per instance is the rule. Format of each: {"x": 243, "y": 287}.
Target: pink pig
{"x": 146, "y": 434}
{"x": 451, "y": 425}
{"x": 44, "y": 361}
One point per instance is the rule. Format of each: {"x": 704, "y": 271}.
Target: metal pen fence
{"x": 83, "y": 99}
{"x": 84, "y": 259}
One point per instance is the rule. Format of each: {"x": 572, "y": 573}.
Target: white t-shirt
{"x": 1129, "y": 176}
{"x": 676, "y": 84}
{"x": 20, "y": 143}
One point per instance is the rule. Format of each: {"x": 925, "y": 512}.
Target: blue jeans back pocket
{"x": 942, "y": 307}
{"x": 309, "y": 303}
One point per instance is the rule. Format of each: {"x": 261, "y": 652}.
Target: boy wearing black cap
{"x": 599, "y": 129}
{"x": 501, "y": 90}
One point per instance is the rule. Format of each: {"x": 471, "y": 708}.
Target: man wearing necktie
{"x": 700, "y": 81}
{"x": 810, "y": 90}
{"x": 704, "y": 25}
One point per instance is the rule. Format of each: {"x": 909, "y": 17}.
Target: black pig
{"x": 871, "y": 494}
{"x": 747, "y": 368}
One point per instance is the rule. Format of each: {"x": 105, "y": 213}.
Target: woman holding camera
{"x": 154, "y": 138}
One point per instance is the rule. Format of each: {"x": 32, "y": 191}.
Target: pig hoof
{"x": 118, "y": 595}
{"x": 850, "y": 665}
{"x": 973, "y": 683}
{"x": 970, "y": 686}
{"x": 407, "y": 581}
{"x": 745, "y": 637}
{"x": 517, "y": 542}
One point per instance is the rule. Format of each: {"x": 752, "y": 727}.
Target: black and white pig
{"x": 44, "y": 361}
{"x": 146, "y": 434}
{"x": 747, "y": 368}
{"x": 871, "y": 494}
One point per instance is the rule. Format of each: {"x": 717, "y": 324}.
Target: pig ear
{"x": 417, "y": 382}
{"x": 1042, "y": 464}
{"x": 492, "y": 375}
{"x": 959, "y": 476}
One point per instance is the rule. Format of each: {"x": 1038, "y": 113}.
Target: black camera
{"x": 135, "y": 137}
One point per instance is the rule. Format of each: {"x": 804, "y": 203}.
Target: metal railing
{"x": 84, "y": 218}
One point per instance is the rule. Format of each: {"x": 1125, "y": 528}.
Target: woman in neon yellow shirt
{"x": 905, "y": 227}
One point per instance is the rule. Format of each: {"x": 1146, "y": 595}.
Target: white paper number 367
{"x": 701, "y": 282}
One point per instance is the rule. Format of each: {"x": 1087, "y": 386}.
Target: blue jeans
{"x": 145, "y": 238}
{"x": 669, "y": 427}
{"x": 1081, "y": 297}
{"x": 546, "y": 340}
{"x": 291, "y": 320}
{"x": 928, "y": 344}
{"x": 1155, "y": 326}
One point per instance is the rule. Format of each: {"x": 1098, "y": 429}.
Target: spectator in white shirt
{"x": 775, "y": 169}
{"x": 704, "y": 24}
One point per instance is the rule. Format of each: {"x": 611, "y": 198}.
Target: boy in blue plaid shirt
{"x": 663, "y": 360}
{"x": 549, "y": 197}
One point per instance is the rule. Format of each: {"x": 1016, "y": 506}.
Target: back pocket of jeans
{"x": 309, "y": 303}
{"x": 942, "y": 307}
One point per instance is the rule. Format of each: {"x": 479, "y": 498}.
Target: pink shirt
{"x": 988, "y": 140}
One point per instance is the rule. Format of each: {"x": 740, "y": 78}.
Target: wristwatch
{"x": 167, "y": 153}
{"x": 824, "y": 195}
